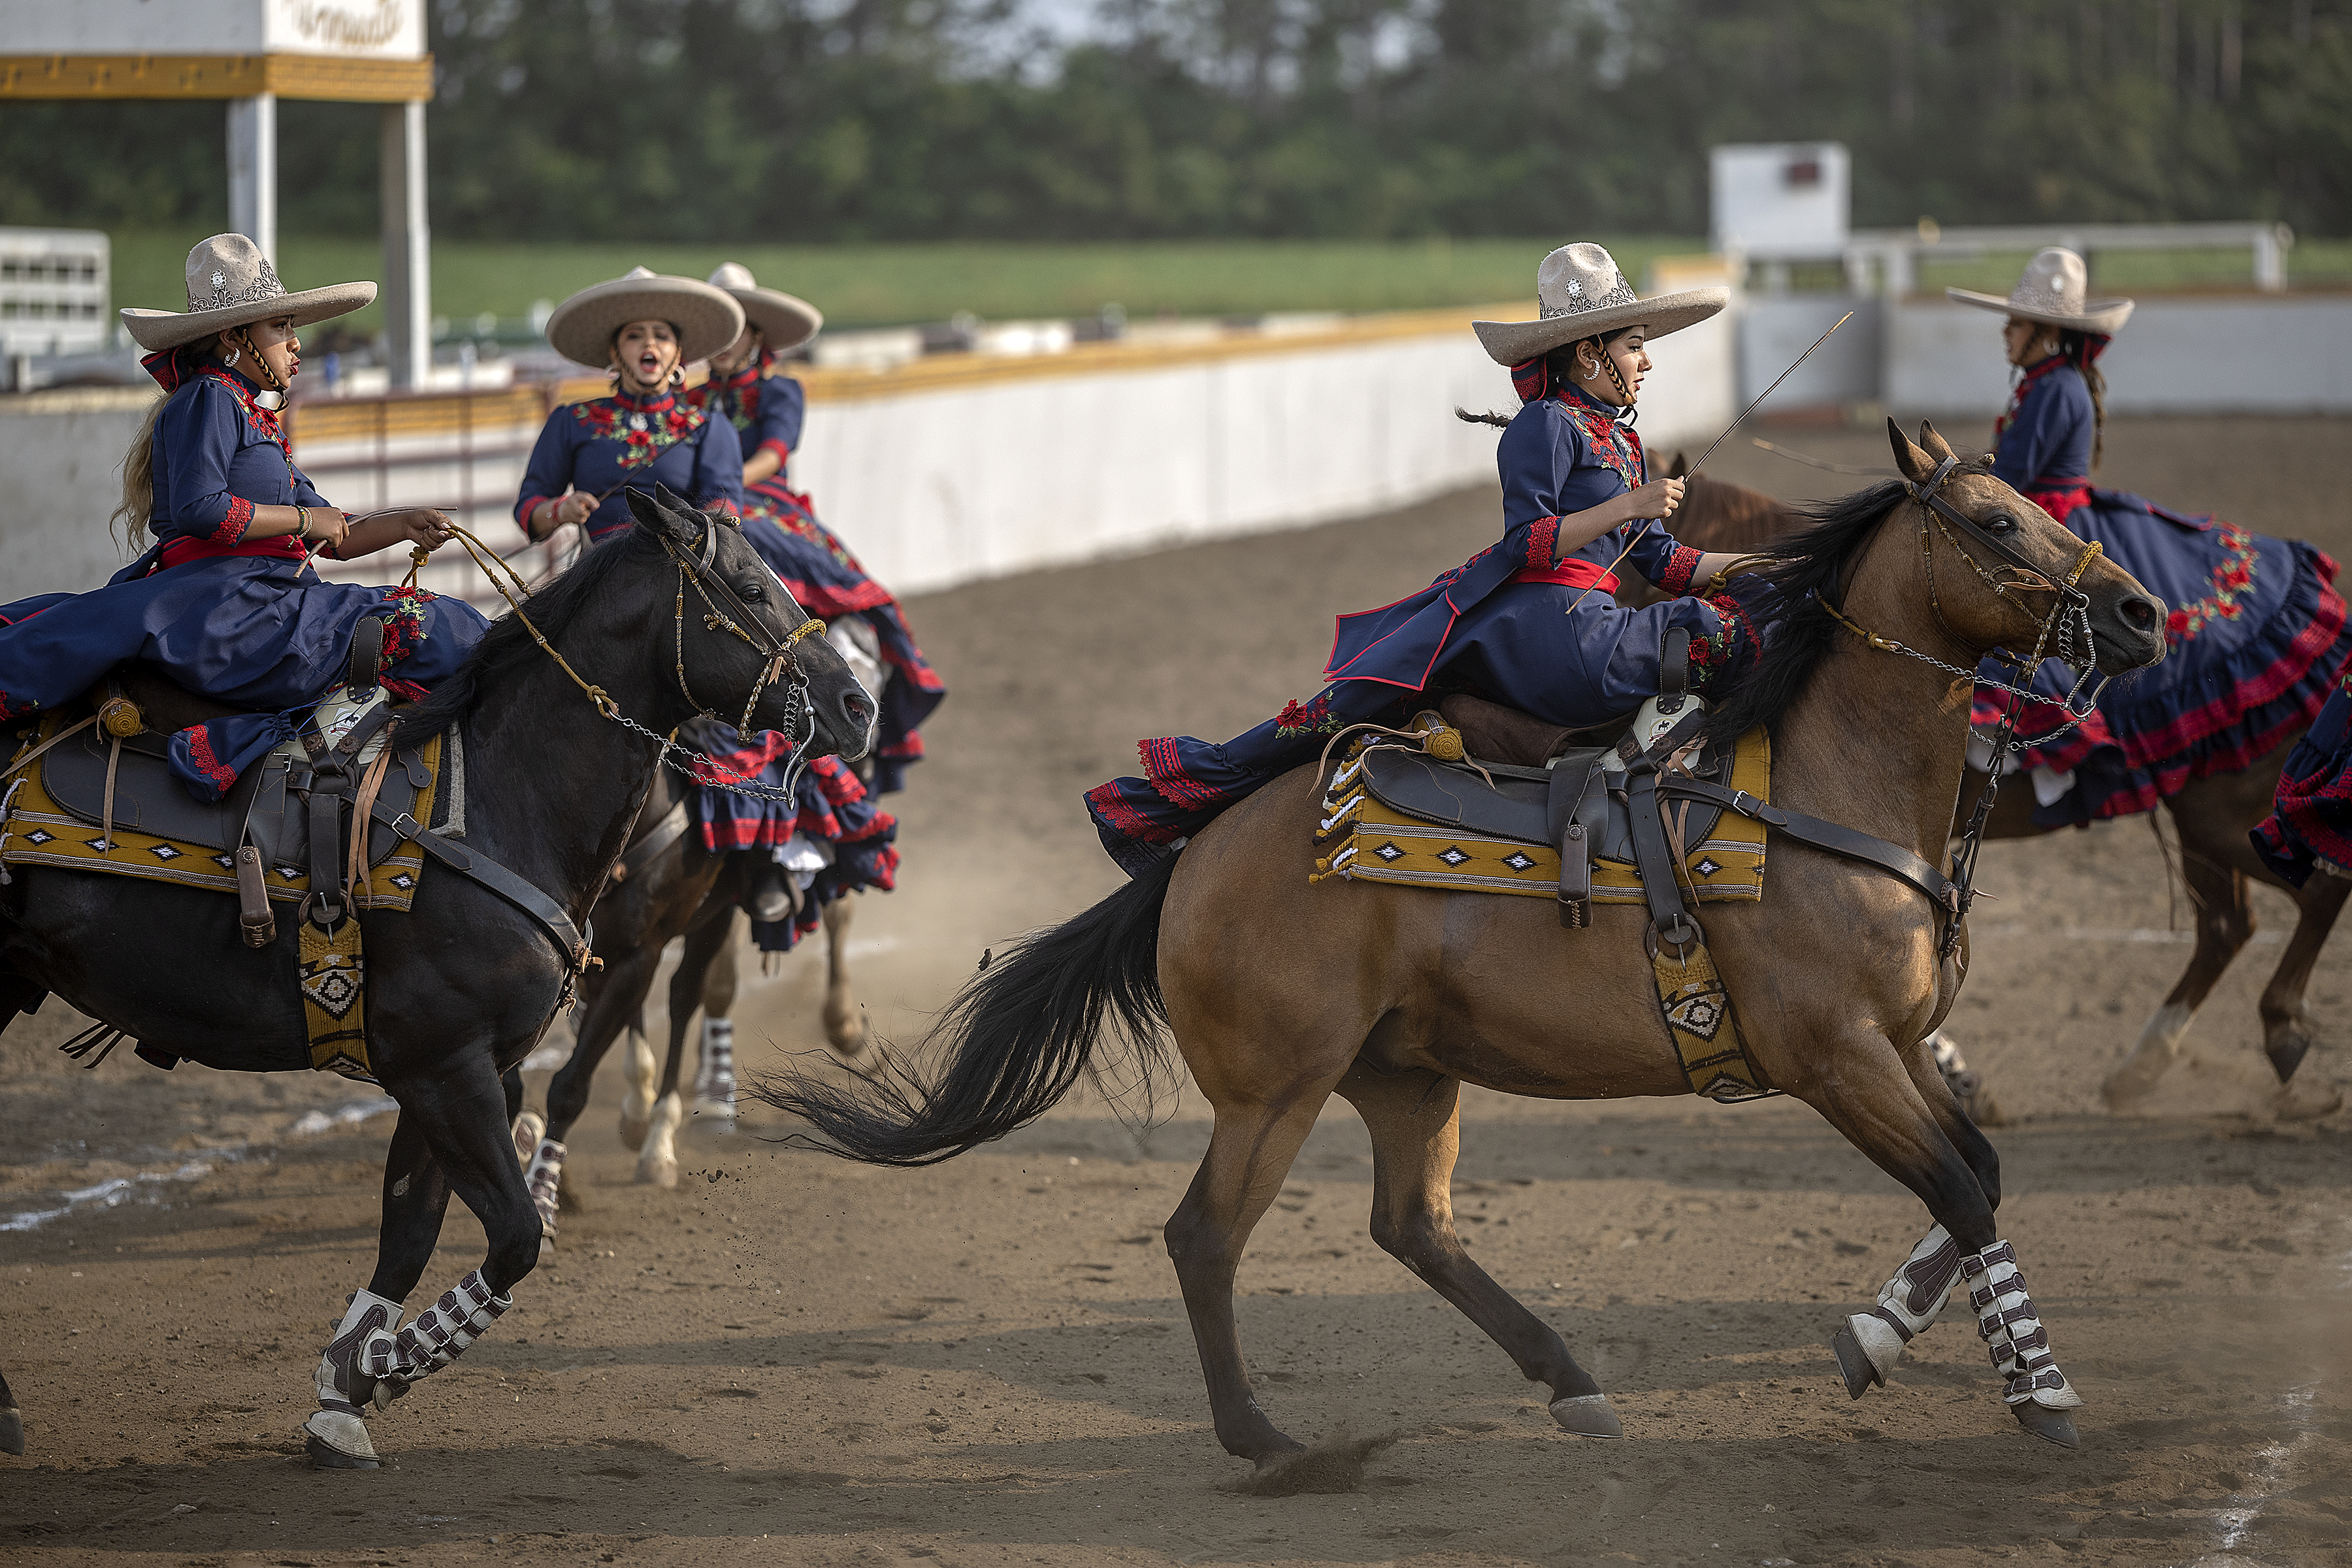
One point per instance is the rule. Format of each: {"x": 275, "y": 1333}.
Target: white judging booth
{"x": 251, "y": 53}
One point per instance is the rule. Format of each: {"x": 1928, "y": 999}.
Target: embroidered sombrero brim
{"x": 707, "y": 319}
{"x": 154, "y": 330}
{"x": 2099, "y": 318}
{"x": 1510, "y": 342}
{"x": 785, "y": 321}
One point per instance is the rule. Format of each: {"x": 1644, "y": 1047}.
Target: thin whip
{"x": 1811, "y": 462}
{"x": 1648, "y": 522}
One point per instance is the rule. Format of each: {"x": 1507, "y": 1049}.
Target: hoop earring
{"x": 230, "y": 363}
{"x": 677, "y": 375}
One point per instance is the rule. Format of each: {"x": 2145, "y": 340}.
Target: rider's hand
{"x": 428, "y": 528}
{"x": 325, "y": 526}
{"x": 1658, "y": 499}
{"x": 576, "y": 506}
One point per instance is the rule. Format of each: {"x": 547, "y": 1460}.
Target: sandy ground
{"x": 788, "y": 1359}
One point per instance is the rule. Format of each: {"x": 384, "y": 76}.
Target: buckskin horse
{"x": 463, "y": 985}
{"x": 2210, "y": 817}
{"x": 1280, "y": 994}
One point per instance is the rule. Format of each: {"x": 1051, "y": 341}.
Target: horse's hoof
{"x": 1586, "y": 1416}
{"x": 2306, "y": 1102}
{"x": 338, "y": 1440}
{"x": 657, "y": 1172}
{"x": 11, "y": 1431}
{"x": 1862, "y": 1375}
{"x": 2286, "y": 1047}
{"x": 2124, "y": 1088}
{"x": 2054, "y": 1426}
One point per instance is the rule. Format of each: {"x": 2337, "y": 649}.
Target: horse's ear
{"x": 673, "y": 515}
{"x": 1681, "y": 469}
{"x": 1935, "y": 446}
{"x": 1917, "y": 466}
{"x": 646, "y": 508}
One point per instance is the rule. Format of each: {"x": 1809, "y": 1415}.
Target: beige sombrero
{"x": 583, "y": 328}
{"x": 2052, "y": 292}
{"x": 1581, "y": 292}
{"x": 231, "y": 284}
{"x": 785, "y": 322}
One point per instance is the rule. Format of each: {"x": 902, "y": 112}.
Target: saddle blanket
{"x": 38, "y": 829}
{"x": 1362, "y": 837}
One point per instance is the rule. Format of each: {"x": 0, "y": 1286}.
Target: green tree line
{"x": 820, "y": 121}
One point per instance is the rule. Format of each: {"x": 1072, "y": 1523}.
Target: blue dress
{"x": 768, "y": 409}
{"x": 2257, "y": 632}
{"x": 609, "y": 446}
{"x": 2310, "y": 825}
{"x": 249, "y": 622}
{"x": 1500, "y": 626}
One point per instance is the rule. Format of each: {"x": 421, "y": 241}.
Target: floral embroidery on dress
{"x": 644, "y": 433}
{"x": 2231, "y": 577}
{"x": 1315, "y": 717}
{"x": 738, "y": 397}
{"x": 262, "y": 422}
{"x": 1609, "y": 442}
{"x": 404, "y": 622}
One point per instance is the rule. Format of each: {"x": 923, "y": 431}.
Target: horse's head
{"x": 2004, "y": 574}
{"x": 743, "y": 649}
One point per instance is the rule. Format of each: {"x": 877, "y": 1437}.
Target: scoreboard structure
{"x": 251, "y": 54}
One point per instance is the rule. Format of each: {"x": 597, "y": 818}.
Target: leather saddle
{"x": 278, "y": 804}
{"x": 1566, "y": 790}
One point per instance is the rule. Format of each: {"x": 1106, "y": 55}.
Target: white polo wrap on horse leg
{"x": 1910, "y": 1301}
{"x": 342, "y": 1383}
{"x": 545, "y": 1180}
{"x": 714, "y": 1086}
{"x": 438, "y": 1336}
{"x": 2011, "y": 1330}
{"x": 657, "y": 1163}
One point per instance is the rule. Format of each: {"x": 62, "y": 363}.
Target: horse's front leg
{"x": 844, "y": 1021}
{"x": 453, "y": 1137}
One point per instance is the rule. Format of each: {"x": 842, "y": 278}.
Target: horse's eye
{"x": 752, "y": 593}
{"x": 2000, "y": 523}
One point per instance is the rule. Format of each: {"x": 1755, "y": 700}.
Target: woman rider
{"x": 1528, "y": 621}
{"x": 2257, "y": 630}
{"x": 643, "y": 328}
{"x": 2310, "y": 825}
{"x": 767, "y": 407}
{"x": 227, "y": 603}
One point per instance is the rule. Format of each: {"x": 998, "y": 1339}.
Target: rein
{"x": 696, "y": 569}
{"x": 2069, "y": 608}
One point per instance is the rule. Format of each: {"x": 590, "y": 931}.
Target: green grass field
{"x": 874, "y": 285}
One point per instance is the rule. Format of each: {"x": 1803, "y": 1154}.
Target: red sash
{"x": 1574, "y": 571}
{"x": 181, "y": 551}
{"x": 2059, "y": 497}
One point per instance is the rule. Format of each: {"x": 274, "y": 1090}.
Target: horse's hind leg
{"x": 2225, "y": 922}
{"x": 12, "y": 1421}
{"x": 844, "y": 1021}
{"x": 713, "y": 923}
{"x": 2286, "y": 1021}
{"x": 1250, "y": 1153}
{"x": 714, "y": 1082}
{"x": 1416, "y": 1125}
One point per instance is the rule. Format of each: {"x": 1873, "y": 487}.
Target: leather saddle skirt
{"x": 1519, "y": 804}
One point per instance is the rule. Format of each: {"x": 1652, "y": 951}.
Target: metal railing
{"x": 1893, "y": 254}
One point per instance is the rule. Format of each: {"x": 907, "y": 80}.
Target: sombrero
{"x": 707, "y": 319}
{"x": 785, "y": 322}
{"x": 1581, "y": 293}
{"x": 2052, "y": 292}
{"x": 231, "y": 284}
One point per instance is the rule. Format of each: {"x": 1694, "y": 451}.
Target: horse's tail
{"x": 1018, "y": 1036}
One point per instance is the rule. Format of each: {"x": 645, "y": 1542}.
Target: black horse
{"x": 461, "y": 987}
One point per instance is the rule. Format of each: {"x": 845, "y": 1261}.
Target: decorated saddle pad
{"x": 1363, "y": 836}
{"x": 54, "y": 811}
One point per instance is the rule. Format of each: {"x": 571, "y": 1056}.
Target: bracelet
{"x": 304, "y": 532}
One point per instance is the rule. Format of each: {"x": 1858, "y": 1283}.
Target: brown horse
{"x": 1280, "y": 994}
{"x": 2210, "y": 818}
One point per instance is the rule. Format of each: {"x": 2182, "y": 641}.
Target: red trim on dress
{"x": 524, "y": 508}
{"x": 1124, "y": 819}
{"x": 1681, "y": 566}
{"x": 1543, "y": 544}
{"x": 232, "y": 528}
{"x": 1166, "y": 771}
{"x": 783, "y": 453}
{"x": 200, "y": 755}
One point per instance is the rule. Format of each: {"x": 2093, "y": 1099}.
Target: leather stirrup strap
{"x": 367, "y": 653}
{"x": 1673, "y": 669}
{"x": 32, "y": 756}
{"x": 1569, "y": 821}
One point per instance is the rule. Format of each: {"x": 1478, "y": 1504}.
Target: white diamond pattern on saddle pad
{"x": 1452, "y": 856}
{"x": 1388, "y": 852}
{"x": 334, "y": 990}
{"x": 1518, "y": 860}
{"x": 1707, "y": 867}
{"x": 1701, "y": 1016}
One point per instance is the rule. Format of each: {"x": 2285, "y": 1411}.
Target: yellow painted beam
{"x": 328, "y": 77}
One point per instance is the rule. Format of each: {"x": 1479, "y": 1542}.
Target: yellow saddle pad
{"x": 1362, "y": 840}
{"x": 36, "y": 831}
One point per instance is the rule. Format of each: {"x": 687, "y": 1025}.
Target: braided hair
{"x": 2082, "y": 350}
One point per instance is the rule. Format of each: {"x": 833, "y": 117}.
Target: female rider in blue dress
{"x": 768, "y": 407}
{"x": 2257, "y": 630}
{"x": 1528, "y": 621}
{"x": 646, "y": 327}
{"x": 226, "y": 602}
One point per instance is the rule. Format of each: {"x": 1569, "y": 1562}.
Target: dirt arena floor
{"x": 789, "y": 1360}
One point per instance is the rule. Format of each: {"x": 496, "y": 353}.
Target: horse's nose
{"x": 857, "y": 710}
{"x": 2141, "y": 612}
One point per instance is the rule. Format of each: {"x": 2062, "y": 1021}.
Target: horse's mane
{"x": 580, "y": 589}
{"x": 1797, "y": 633}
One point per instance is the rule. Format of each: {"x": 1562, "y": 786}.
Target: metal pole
{"x": 253, "y": 171}
{"x": 407, "y": 247}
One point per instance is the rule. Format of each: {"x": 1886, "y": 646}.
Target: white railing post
{"x": 408, "y": 247}
{"x": 253, "y": 171}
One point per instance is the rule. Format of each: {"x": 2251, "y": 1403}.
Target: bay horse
{"x": 461, "y": 986}
{"x": 1280, "y": 994}
{"x": 2211, "y": 818}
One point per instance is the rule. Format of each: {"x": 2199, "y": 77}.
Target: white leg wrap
{"x": 714, "y": 1086}
{"x": 2011, "y": 1329}
{"x": 658, "y": 1165}
{"x": 1910, "y": 1301}
{"x": 438, "y": 1336}
{"x": 545, "y": 1179}
{"x": 343, "y": 1384}
{"x": 529, "y": 1128}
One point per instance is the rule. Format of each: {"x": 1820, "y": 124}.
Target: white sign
{"x": 357, "y": 29}
{"x": 1781, "y": 201}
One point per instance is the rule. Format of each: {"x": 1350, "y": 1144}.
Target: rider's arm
{"x": 718, "y": 467}
{"x": 783, "y": 408}
{"x": 547, "y": 477}
{"x": 2040, "y": 431}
